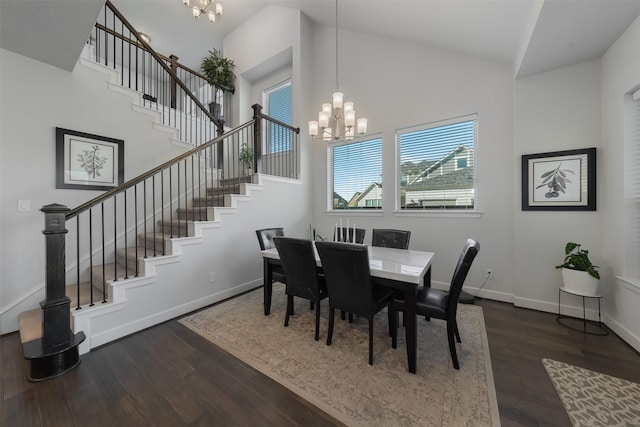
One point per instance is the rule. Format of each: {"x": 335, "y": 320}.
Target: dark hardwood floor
{"x": 169, "y": 376}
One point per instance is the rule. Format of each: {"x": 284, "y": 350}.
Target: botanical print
{"x": 557, "y": 180}
{"x": 91, "y": 162}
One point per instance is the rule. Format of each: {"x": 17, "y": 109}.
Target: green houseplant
{"x": 246, "y": 155}
{"x": 578, "y": 259}
{"x": 219, "y": 71}
{"x": 579, "y": 275}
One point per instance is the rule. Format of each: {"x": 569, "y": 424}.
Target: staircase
{"x": 136, "y": 255}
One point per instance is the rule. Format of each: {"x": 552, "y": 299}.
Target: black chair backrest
{"x": 300, "y": 268}
{"x": 388, "y": 238}
{"x": 266, "y": 235}
{"x": 345, "y": 234}
{"x": 471, "y": 249}
{"x": 347, "y": 276}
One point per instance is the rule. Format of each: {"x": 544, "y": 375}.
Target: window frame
{"x": 361, "y": 211}
{"x": 437, "y": 212}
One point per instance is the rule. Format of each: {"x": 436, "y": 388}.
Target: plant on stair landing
{"x": 246, "y": 156}
{"x": 219, "y": 72}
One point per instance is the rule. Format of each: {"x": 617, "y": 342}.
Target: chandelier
{"x": 337, "y": 120}
{"x": 199, "y": 7}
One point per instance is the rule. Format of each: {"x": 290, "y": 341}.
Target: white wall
{"x": 37, "y": 98}
{"x": 396, "y": 85}
{"x": 620, "y": 75}
{"x": 554, "y": 111}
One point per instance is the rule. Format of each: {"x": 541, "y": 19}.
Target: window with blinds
{"x": 278, "y": 100}
{"x": 632, "y": 186}
{"x": 357, "y": 175}
{"x": 436, "y": 164}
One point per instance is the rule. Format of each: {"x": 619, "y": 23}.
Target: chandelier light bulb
{"x": 362, "y": 126}
{"x": 348, "y": 106}
{"x": 323, "y": 119}
{"x": 337, "y": 99}
{"x": 326, "y": 108}
{"x": 349, "y": 118}
{"x": 196, "y": 12}
{"x": 218, "y": 9}
{"x": 212, "y": 17}
{"x": 313, "y": 128}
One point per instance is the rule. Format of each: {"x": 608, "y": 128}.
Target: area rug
{"x": 594, "y": 399}
{"x": 338, "y": 378}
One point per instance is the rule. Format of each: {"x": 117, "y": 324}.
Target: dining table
{"x": 400, "y": 269}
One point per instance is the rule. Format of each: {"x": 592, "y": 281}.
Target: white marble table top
{"x": 395, "y": 264}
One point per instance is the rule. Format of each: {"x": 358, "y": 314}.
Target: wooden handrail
{"x": 257, "y": 113}
{"x": 134, "y": 181}
{"x": 167, "y": 59}
{"x": 219, "y": 123}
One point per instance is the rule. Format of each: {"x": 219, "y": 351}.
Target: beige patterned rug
{"x": 593, "y": 399}
{"x": 338, "y": 378}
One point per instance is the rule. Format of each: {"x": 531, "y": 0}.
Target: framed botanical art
{"x": 88, "y": 162}
{"x": 559, "y": 180}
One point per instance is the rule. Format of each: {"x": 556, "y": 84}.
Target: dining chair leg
{"x": 371, "y": 340}
{"x": 311, "y": 305}
{"x": 393, "y": 328}
{"x": 289, "y": 309}
{"x": 452, "y": 345}
{"x": 343, "y": 315}
{"x": 318, "y": 322}
{"x": 457, "y": 333}
{"x": 332, "y": 315}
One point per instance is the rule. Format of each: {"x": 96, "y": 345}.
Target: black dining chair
{"x": 302, "y": 273}
{"x": 348, "y": 279}
{"x": 389, "y": 238}
{"x": 438, "y": 304}
{"x": 265, "y": 240}
{"x": 344, "y": 234}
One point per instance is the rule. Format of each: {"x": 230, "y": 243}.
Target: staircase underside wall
{"x": 222, "y": 260}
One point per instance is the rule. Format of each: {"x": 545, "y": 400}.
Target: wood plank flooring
{"x": 169, "y": 376}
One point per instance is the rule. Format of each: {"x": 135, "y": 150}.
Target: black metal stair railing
{"x": 108, "y": 234}
{"x": 184, "y": 98}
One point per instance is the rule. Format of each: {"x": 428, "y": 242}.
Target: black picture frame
{"x": 88, "y": 162}
{"x": 559, "y": 181}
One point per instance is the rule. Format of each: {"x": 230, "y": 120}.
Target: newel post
{"x": 174, "y": 84}
{"x": 257, "y": 137}
{"x": 56, "y": 351}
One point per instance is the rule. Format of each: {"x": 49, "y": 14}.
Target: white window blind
{"x": 279, "y": 107}
{"x": 357, "y": 175}
{"x": 436, "y": 164}
{"x": 632, "y": 186}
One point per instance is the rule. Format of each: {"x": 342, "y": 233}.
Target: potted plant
{"x": 578, "y": 272}
{"x": 219, "y": 72}
{"x": 246, "y": 156}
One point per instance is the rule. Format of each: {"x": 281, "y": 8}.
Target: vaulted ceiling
{"x": 533, "y": 35}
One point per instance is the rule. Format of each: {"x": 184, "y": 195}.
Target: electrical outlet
{"x": 212, "y": 277}
{"x": 488, "y": 273}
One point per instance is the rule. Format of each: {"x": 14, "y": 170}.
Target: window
{"x": 632, "y": 186}
{"x": 357, "y": 175}
{"x": 278, "y": 103}
{"x": 437, "y": 165}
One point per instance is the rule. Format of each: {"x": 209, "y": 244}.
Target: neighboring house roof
{"x": 461, "y": 178}
{"x": 450, "y": 155}
{"x": 455, "y": 179}
{"x": 341, "y": 201}
{"x": 359, "y": 196}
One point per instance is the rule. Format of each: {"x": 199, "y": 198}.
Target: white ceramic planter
{"x": 579, "y": 282}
